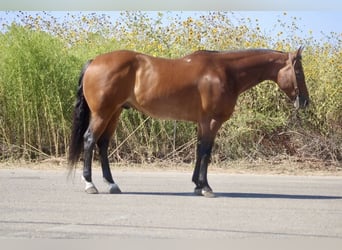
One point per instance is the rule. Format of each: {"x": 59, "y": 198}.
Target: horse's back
{"x": 115, "y": 59}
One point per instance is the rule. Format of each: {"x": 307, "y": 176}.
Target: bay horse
{"x": 202, "y": 87}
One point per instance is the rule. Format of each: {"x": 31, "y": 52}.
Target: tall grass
{"x": 37, "y": 83}
{"x": 40, "y": 60}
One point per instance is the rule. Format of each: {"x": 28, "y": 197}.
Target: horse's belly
{"x": 168, "y": 110}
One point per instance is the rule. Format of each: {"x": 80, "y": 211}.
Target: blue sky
{"x": 313, "y": 22}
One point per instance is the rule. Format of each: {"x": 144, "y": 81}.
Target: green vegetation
{"x": 41, "y": 58}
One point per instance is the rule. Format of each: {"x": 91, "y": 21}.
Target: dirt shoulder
{"x": 237, "y": 167}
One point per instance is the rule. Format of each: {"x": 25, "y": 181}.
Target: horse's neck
{"x": 252, "y": 70}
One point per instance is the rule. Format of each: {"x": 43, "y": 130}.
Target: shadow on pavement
{"x": 244, "y": 195}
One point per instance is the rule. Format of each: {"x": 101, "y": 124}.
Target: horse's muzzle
{"x": 301, "y": 102}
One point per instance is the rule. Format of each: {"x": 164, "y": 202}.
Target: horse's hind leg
{"x": 89, "y": 144}
{"x": 95, "y": 129}
{"x": 103, "y": 144}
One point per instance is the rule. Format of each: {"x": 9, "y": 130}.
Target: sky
{"x": 310, "y": 22}
{"x": 314, "y": 22}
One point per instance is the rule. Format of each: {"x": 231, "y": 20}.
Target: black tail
{"x": 80, "y": 122}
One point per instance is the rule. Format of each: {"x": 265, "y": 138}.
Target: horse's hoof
{"x": 91, "y": 190}
{"x": 90, "y": 187}
{"x": 114, "y": 189}
{"x": 206, "y": 192}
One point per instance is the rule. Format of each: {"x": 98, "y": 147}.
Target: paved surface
{"x": 44, "y": 204}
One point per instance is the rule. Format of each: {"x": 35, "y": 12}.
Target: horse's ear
{"x": 299, "y": 52}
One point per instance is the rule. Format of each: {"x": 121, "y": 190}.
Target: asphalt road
{"x": 160, "y": 204}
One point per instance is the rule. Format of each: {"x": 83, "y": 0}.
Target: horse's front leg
{"x": 201, "y": 170}
{"x": 89, "y": 144}
{"x": 207, "y": 131}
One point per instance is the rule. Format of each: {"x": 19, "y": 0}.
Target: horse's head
{"x": 291, "y": 80}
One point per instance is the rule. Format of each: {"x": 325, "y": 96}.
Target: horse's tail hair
{"x": 80, "y": 122}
